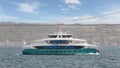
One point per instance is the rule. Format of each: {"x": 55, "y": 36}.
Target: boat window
{"x": 47, "y": 41}
{"x": 59, "y": 42}
{"x": 59, "y": 36}
{"x": 52, "y": 36}
{"x": 66, "y": 36}
{"x": 46, "y": 51}
{"x": 64, "y": 51}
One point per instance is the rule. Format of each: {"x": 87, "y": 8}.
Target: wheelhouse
{"x": 59, "y": 41}
{"x": 60, "y": 36}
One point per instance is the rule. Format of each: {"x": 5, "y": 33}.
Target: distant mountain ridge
{"x": 101, "y": 34}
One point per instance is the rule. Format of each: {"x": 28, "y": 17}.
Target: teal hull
{"x": 60, "y": 51}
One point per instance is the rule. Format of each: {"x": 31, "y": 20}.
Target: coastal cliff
{"x": 100, "y": 34}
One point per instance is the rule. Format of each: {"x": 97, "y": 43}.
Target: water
{"x": 11, "y": 57}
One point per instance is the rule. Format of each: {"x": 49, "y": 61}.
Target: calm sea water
{"x": 11, "y": 57}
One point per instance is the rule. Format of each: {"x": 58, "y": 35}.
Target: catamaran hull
{"x": 60, "y": 51}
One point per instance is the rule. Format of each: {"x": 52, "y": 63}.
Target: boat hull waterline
{"x": 60, "y": 51}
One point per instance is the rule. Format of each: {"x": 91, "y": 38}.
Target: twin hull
{"x": 60, "y": 51}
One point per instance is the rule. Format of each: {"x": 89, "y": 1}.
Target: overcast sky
{"x": 39, "y": 11}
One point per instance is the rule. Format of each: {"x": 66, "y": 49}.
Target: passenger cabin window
{"x": 52, "y": 36}
{"x": 60, "y": 36}
{"x": 59, "y": 42}
{"x": 66, "y": 36}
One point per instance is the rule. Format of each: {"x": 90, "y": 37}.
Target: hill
{"x": 102, "y": 34}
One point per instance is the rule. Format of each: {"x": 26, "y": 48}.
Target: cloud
{"x": 109, "y": 17}
{"x": 89, "y": 19}
{"x": 114, "y": 18}
{"x": 72, "y": 2}
{"x": 71, "y": 5}
{"x": 6, "y": 18}
{"x": 65, "y": 10}
{"x": 113, "y": 15}
{"x": 28, "y": 7}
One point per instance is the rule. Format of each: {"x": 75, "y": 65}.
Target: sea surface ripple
{"x": 11, "y": 57}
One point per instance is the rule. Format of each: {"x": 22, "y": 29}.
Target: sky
{"x": 60, "y": 11}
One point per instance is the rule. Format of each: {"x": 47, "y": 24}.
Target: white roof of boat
{"x": 73, "y": 39}
{"x": 61, "y": 38}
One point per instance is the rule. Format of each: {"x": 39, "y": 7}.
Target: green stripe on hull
{"x": 59, "y": 51}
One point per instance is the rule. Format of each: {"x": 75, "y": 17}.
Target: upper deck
{"x": 60, "y": 38}
{"x": 60, "y": 35}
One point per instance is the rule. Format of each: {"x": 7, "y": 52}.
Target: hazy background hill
{"x": 102, "y": 34}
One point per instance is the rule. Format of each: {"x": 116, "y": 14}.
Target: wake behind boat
{"x": 59, "y": 44}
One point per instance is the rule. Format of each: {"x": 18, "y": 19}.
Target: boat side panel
{"x": 58, "y": 51}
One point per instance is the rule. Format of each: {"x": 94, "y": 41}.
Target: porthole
{"x": 64, "y": 51}
{"x": 46, "y": 51}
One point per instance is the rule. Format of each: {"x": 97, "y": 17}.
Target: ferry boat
{"x": 60, "y": 43}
